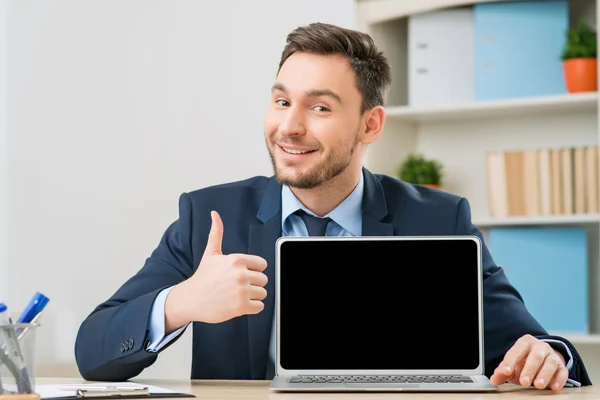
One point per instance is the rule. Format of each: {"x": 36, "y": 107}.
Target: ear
{"x": 373, "y": 121}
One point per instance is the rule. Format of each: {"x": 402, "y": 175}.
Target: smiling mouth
{"x": 296, "y": 152}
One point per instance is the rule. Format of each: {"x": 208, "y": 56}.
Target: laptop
{"x": 379, "y": 314}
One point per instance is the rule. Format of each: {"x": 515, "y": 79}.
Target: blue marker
{"x": 35, "y": 306}
{"x": 11, "y": 356}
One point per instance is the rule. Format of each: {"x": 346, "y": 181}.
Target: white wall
{"x": 114, "y": 108}
{"x": 3, "y": 155}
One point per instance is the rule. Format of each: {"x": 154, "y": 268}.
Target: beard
{"x": 319, "y": 173}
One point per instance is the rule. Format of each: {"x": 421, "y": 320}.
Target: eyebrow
{"x": 311, "y": 93}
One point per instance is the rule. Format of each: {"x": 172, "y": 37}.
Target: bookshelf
{"x": 483, "y": 110}
{"x": 581, "y": 339}
{"x": 460, "y": 134}
{"x": 542, "y": 220}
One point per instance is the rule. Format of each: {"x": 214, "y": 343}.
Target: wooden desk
{"x": 258, "y": 390}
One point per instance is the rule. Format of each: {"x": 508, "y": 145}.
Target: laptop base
{"x": 479, "y": 384}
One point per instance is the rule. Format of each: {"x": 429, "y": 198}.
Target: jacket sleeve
{"x": 111, "y": 342}
{"x": 506, "y": 318}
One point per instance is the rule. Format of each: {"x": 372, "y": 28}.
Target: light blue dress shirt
{"x": 346, "y": 221}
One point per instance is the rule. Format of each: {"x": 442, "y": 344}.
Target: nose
{"x": 292, "y": 123}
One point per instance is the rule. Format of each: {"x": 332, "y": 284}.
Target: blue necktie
{"x": 316, "y": 226}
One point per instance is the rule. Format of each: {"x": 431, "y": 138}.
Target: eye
{"x": 322, "y": 109}
{"x": 282, "y": 103}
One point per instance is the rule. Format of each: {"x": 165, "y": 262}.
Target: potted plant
{"x": 579, "y": 59}
{"x": 419, "y": 170}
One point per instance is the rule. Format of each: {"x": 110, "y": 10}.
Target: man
{"x": 214, "y": 265}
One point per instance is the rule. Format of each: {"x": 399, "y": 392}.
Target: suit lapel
{"x": 262, "y": 238}
{"x": 374, "y": 208}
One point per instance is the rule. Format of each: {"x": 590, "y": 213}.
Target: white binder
{"x": 441, "y": 57}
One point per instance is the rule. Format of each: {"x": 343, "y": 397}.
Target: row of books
{"x": 546, "y": 181}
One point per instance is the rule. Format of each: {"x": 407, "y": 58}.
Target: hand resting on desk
{"x": 529, "y": 361}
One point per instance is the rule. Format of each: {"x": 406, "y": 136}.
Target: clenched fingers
{"x": 257, "y": 293}
{"x": 257, "y": 278}
{"x": 249, "y": 261}
{"x": 254, "y": 307}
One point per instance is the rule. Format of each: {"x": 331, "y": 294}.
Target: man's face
{"x": 312, "y": 127}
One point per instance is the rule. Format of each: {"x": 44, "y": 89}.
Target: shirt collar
{"x": 348, "y": 214}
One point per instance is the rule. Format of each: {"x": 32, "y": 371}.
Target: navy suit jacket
{"x": 111, "y": 342}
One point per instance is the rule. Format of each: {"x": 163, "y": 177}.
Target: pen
{"x": 31, "y": 313}
{"x": 107, "y": 388}
{"x": 35, "y": 306}
{"x": 22, "y": 332}
{"x": 82, "y": 393}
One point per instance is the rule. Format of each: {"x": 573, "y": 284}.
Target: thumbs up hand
{"x": 223, "y": 286}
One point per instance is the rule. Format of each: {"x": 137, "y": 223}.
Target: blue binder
{"x": 518, "y": 47}
{"x": 549, "y": 267}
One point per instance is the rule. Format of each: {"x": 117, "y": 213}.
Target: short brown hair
{"x": 372, "y": 70}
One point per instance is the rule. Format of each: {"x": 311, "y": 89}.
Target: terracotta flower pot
{"x": 581, "y": 75}
{"x": 431, "y": 185}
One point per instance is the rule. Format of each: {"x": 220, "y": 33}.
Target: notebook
{"x": 380, "y": 314}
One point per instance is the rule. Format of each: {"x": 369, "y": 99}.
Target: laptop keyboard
{"x": 381, "y": 379}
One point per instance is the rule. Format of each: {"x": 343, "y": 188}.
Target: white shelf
{"x": 377, "y": 11}
{"x": 539, "y": 220}
{"x": 498, "y": 108}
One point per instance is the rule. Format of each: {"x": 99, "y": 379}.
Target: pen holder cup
{"x": 17, "y": 359}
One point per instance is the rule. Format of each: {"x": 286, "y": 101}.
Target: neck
{"x": 327, "y": 196}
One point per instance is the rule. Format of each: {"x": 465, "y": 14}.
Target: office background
{"x": 111, "y": 109}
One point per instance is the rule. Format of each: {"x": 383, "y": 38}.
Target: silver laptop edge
{"x": 480, "y": 381}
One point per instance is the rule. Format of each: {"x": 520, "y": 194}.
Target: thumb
{"x": 215, "y": 236}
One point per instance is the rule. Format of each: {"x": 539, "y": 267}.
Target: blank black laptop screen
{"x": 379, "y": 304}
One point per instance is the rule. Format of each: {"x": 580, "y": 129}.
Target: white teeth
{"x": 296, "y": 151}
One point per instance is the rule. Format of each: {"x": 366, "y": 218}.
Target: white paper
{"x": 58, "y": 391}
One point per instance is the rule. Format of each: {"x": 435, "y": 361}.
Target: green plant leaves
{"x": 417, "y": 169}
{"x": 581, "y": 42}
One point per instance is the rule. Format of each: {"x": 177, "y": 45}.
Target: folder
{"x": 549, "y": 268}
{"x": 518, "y": 45}
{"x": 116, "y": 390}
{"x": 436, "y": 74}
